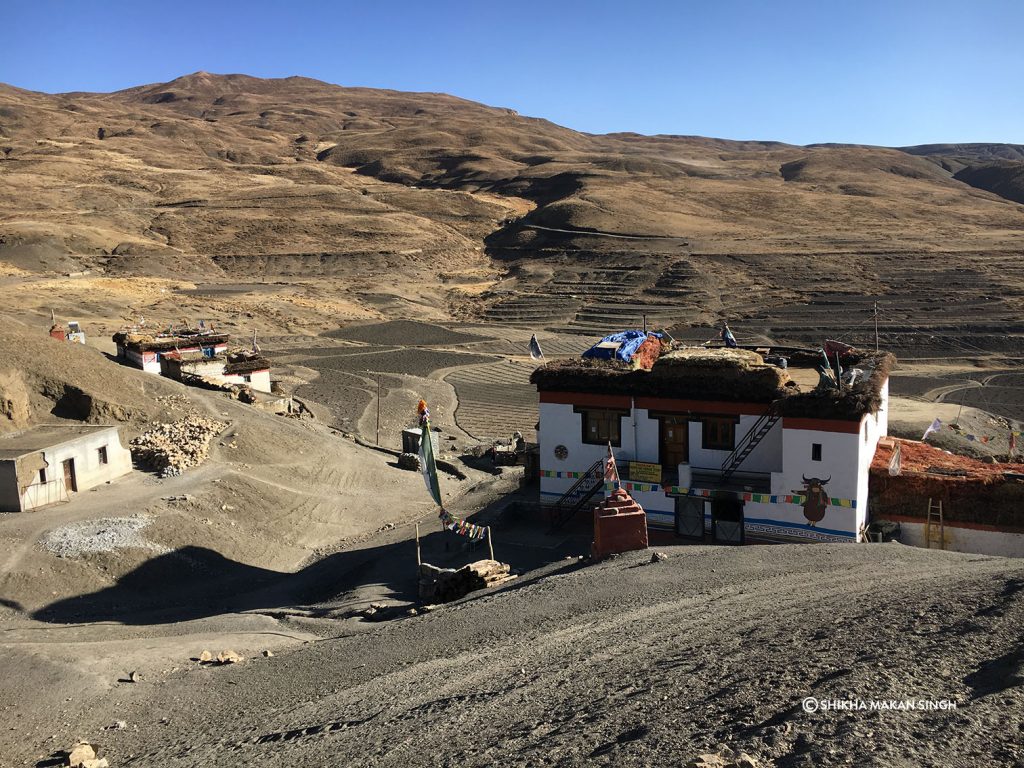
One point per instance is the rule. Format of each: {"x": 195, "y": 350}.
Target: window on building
{"x": 102, "y": 452}
{"x": 246, "y": 378}
{"x": 815, "y": 451}
{"x": 719, "y": 433}
{"x": 42, "y": 475}
{"x": 601, "y": 425}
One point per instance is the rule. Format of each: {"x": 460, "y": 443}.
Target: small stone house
{"x": 50, "y": 463}
{"x": 249, "y": 368}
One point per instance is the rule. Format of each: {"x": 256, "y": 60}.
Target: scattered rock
{"x": 134, "y": 677}
{"x": 172, "y": 448}
{"x": 205, "y": 657}
{"x": 80, "y": 753}
{"x": 117, "y": 725}
{"x": 268, "y": 653}
{"x": 657, "y": 557}
{"x": 229, "y": 657}
{"x": 723, "y": 759}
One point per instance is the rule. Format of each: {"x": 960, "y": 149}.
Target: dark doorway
{"x": 690, "y": 518}
{"x": 70, "y": 482}
{"x": 727, "y": 521}
{"x": 673, "y": 441}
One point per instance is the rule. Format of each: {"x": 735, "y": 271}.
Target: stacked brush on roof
{"x": 638, "y": 349}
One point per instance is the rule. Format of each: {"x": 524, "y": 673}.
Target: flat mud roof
{"x": 46, "y": 436}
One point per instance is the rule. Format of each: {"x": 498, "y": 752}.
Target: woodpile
{"x": 442, "y": 585}
{"x": 410, "y": 461}
{"x": 172, "y": 448}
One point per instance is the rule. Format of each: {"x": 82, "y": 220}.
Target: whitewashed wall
{"x": 995, "y": 543}
{"x": 766, "y": 457}
{"x": 89, "y": 472}
{"x": 559, "y": 425}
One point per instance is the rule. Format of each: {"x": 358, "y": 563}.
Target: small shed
{"x": 411, "y": 440}
{"x": 47, "y": 464}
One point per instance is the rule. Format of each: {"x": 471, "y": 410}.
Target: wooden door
{"x": 69, "y": 475}
{"x": 674, "y": 438}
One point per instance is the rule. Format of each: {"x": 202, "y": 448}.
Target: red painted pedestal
{"x": 620, "y": 525}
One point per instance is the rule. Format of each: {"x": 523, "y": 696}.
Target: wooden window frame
{"x": 613, "y": 416}
{"x": 718, "y": 445}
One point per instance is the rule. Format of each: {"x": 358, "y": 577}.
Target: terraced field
{"x": 930, "y": 304}
{"x": 403, "y": 332}
{"x": 495, "y": 400}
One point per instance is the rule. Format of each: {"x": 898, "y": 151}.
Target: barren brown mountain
{"x": 390, "y": 246}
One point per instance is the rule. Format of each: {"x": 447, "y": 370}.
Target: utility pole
{"x": 876, "y": 326}
{"x": 378, "y": 410}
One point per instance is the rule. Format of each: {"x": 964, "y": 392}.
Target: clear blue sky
{"x": 863, "y": 71}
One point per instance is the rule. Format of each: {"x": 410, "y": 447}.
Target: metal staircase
{"x": 750, "y": 441}
{"x": 576, "y": 498}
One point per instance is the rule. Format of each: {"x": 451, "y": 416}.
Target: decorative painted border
{"x": 676, "y": 490}
{"x": 762, "y": 527}
{"x": 760, "y": 498}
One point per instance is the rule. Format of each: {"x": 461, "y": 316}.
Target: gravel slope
{"x": 629, "y": 663}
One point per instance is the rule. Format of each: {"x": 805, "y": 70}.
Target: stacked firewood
{"x": 442, "y": 585}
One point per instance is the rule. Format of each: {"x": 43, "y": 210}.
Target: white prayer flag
{"x": 535, "y": 352}
{"x": 934, "y": 427}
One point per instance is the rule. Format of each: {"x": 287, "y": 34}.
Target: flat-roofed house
{"x": 239, "y": 367}
{"x": 49, "y": 463}
{"x": 144, "y": 349}
{"x": 716, "y": 443}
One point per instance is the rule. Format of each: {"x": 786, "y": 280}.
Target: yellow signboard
{"x": 643, "y": 472}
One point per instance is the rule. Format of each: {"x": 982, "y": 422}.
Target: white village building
{"x": 241, "y": 367}
{"x": 714, "y": 443}
{"x": 49, "y": 463}
{"x": 143, "y": 349}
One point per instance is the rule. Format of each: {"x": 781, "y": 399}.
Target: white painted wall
{"x": 840, "y": 460}
{"x": 995, "y": 543}
{"x": 259, "y": 380}
{"x": 646, "y": 436}
{"x": 89, "y": 472}
{"x": 766, "y": 457}
{"x": 559, "y": 425}
{"x": 147, "y": 361}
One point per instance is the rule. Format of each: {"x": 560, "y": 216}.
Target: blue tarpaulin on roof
{"x": 619, "y": 346}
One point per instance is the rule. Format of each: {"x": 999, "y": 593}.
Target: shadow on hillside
{"x": 196, "y": 582}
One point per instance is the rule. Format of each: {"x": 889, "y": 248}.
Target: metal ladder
{"x": 582, "y": 491}
{"x": 935, "y": 518}
{"x": 750, "y": 441}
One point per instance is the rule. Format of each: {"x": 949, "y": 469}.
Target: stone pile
{"x": 84, "y": 755}
{"x": 172, "y": 448}
{"x": 445, "y": 584}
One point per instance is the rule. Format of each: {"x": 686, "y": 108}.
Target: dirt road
{"x": 628, "y": 663}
